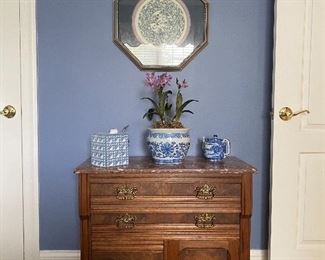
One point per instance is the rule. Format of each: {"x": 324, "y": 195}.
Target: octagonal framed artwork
{"x": 161, "y": 35}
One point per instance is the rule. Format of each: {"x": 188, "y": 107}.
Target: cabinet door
{"x": 207, "y": 250}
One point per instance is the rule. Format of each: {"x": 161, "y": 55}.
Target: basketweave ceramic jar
{"x": 109, "y": 149}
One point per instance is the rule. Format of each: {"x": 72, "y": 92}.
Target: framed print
{"x": 161, "y": 35}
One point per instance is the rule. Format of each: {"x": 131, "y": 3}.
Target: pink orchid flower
{"x": 183, "y": 84}
{"x": 151, "y": 80}
{"x": 164, "y": 79}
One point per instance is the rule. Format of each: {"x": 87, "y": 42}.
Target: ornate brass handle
{"x": 205, "y": 192}
{"x": 204, "y": 220}
{"x": 125, "y": 221}
{"x": 126, "y": 193}
{"x": 8, "y": 111}
{"x": 286, "y": 113}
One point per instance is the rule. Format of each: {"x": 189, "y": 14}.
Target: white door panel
{"x": 19, "y": 219}
{"x": 11, "y": 192}
{"x": 313, "y": 64}
{"x": 310, "y": 213}
{"x": 298, "y": 155}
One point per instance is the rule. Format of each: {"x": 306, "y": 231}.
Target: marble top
{"x": 140, "y": 164}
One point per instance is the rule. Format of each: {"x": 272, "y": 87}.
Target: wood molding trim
{"x": 75, "y": 255}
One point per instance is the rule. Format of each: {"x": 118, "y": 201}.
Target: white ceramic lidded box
{"x": 109, "y": 149}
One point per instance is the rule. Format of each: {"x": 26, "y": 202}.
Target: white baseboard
{"x": 259, "y": 255}
{"x": 59, "y": 255}
{"x": 75, "y": 255}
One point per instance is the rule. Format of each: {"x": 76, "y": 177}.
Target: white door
{"x": 11, "y": 193}
{"x": 18, "y": 139}
{"x": 298, "y": 156}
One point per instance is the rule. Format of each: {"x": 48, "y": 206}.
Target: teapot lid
{"x": 215, "y": 137}
{"x": 212, "y": 139}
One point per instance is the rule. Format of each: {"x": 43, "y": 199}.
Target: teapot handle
{"x": 227, "y": 146}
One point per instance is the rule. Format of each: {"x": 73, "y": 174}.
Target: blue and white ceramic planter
{"x": 168, "y": 146}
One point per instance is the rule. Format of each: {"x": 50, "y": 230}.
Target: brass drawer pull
{"x": 126, "y": 193}
{"x": 205, "y": 192}
{"x": 125, "y": 221}
{"x": 204, "y": 220}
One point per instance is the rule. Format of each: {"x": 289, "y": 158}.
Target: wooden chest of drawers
{"x": 195, "y": 211}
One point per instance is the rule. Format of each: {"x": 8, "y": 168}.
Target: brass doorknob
{"x": 8, "y": 111}
{"x": 286, "y": 113}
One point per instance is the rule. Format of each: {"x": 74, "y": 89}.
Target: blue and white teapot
{"x": 215, "y": 149}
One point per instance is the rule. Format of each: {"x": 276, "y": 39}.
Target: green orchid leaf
{"x": 145, "y": 115}
{"x": 179, "y": 100}
{"x": 168, "y": 107}
{"x": 187, "y": 102}
{"x": 150, "y": 113}
{"x": 150, "y": 116}
{"x": 187, "y": 111}
{"x": 152, "y": 101}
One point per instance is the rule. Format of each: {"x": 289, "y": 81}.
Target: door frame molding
{"x": 28, "y": 48}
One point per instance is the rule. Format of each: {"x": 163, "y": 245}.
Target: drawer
{"x": 111, "y": 230}
{"x": 118, "y": 247}
{"x": 162, "y": 205}
{"x": 134, "y": 188}
{"x": 104, "y": 255}
{"x": 130, "y": 220}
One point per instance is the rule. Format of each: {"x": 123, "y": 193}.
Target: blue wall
{"x": 86, "y": 85}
